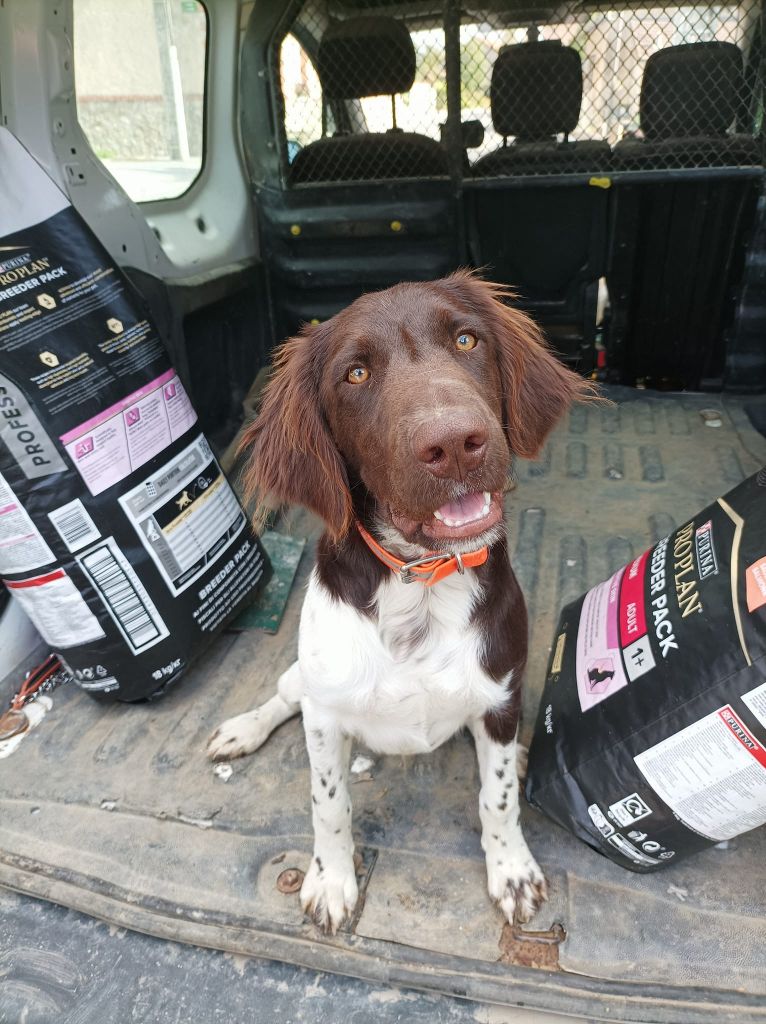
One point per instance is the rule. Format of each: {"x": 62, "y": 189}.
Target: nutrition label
{"x": 755, "y": 700}
{"x": 712, "y": 774}
{"x": 56, "y": 607}
{"x": 21, "y": 544}
{"x": 186, "y": 515}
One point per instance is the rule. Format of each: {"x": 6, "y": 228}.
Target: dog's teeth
{"x": 454, "y": 523}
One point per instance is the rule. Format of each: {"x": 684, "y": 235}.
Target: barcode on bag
{"x": 74, "y": 525}
{"x": 124, "y": 596}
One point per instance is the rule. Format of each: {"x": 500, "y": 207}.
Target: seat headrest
{"x": 366, "y": 57}
{"x": 536, "y": 90}
{"x": 691, "y": 89}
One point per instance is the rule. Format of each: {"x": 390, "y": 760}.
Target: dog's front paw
{"x": 516, "y": 884}
{"x": 329, "y": 893}
{"x": 238, "y": 736}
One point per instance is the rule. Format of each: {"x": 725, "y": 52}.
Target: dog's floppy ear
{"x": 537, "y": 388}
{"x": 290, "y": 453}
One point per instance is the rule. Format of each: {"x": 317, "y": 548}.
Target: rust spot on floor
{"x": 290, "y": 880}
{"x": 521, "y": 953}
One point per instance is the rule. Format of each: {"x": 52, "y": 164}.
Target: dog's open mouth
{"x": 467, "y": 516}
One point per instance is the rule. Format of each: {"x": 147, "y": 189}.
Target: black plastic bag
{"x": 119, "y": 533}
{"x": 650, "y": 742}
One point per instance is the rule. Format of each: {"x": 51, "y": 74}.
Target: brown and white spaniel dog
{"x": 396, "y": 421}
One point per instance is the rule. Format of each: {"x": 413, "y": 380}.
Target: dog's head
{"x": 411, "y": 401}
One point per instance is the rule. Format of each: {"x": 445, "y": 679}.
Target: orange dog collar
{"x": 430, "y": 568}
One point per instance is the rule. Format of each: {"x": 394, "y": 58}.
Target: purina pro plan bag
{"x": 119, "y": 534}
{"x": 651, "y": 737}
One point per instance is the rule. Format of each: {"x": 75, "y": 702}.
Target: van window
{"x": 709, "y": 91}
{"x": 424, "y": 108}
{"x": 613, "y": 45}
{"x": 421, "y": 110}
{"x": 308, "y": 116}
{"x": 302, "y": 96}
{"x": 140, "y": 88}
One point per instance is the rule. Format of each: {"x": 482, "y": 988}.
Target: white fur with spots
{"x": 402, "y": 681}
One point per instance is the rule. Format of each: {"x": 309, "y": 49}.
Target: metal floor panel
{"x": 114, "y": 811}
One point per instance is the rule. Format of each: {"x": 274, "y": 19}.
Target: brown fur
{"x": 316, "y": 432}
{"x": 349, "y": 571}
{"x": 501, "y": 615}
{"x": 351, "y": 451}
{"x": 356, "y": 451}
{"x": 290, "y": 452}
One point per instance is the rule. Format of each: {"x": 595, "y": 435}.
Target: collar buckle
{"x": 406, "y": 573}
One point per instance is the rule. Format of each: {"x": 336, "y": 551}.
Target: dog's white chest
{"x": 404, "y": 680}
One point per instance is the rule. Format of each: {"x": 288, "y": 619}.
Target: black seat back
{"x": 536, "y": 90}
{"x": 367, "y": 56}
{"x": 536, "y": 95}
{"x": 678, "y": 243}
{"x": 358, "y": 211}
{"x": 547, "y": 240}
{"x": 691, "y": 96}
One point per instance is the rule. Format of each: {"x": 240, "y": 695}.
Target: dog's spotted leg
{"x": 514, "y": 879}
{"x": 329, "y": 890}
{"x": 245, "y": 733}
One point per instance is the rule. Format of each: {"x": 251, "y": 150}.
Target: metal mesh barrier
{"x": 579, "y": 89}
{"x": 363, "y": 98}
{"x": 633, "y": 88}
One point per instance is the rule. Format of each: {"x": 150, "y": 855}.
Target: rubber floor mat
{"x": 269, "y": 606}
{"x": 114, "y": 810}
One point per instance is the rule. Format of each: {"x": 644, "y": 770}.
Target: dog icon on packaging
{"x": 600, "y": 675}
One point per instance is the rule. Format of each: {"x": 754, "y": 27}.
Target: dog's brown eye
{"x": 465, "y": 342}
{"x": 358, "y": 375}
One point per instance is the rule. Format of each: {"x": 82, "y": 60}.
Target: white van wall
{"x": 38, "y": 105}
{"x": 21, "y": 647}
{"x": 208, "y": 227}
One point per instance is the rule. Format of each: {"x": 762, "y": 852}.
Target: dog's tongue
{"x": 468, "y": 507}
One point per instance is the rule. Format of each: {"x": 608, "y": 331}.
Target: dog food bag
{"x": 119, "y": 534}
{"x": 651, "y": 738}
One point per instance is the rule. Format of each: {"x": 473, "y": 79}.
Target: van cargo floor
{"x": 114, "y": 811}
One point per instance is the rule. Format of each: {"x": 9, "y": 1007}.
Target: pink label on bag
{"x": 755, "y": 576}
{"x": 599, "y": 663}
{"x": 110, "y": 446}
{"x": 632, "y": 607}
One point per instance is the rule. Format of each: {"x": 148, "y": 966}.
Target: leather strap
{"x": 430, "y": 568}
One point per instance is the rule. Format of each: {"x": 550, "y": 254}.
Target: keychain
{"x": 46, "y": 677}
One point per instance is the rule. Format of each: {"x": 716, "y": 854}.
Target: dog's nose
{"x": 452, "y": 445}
